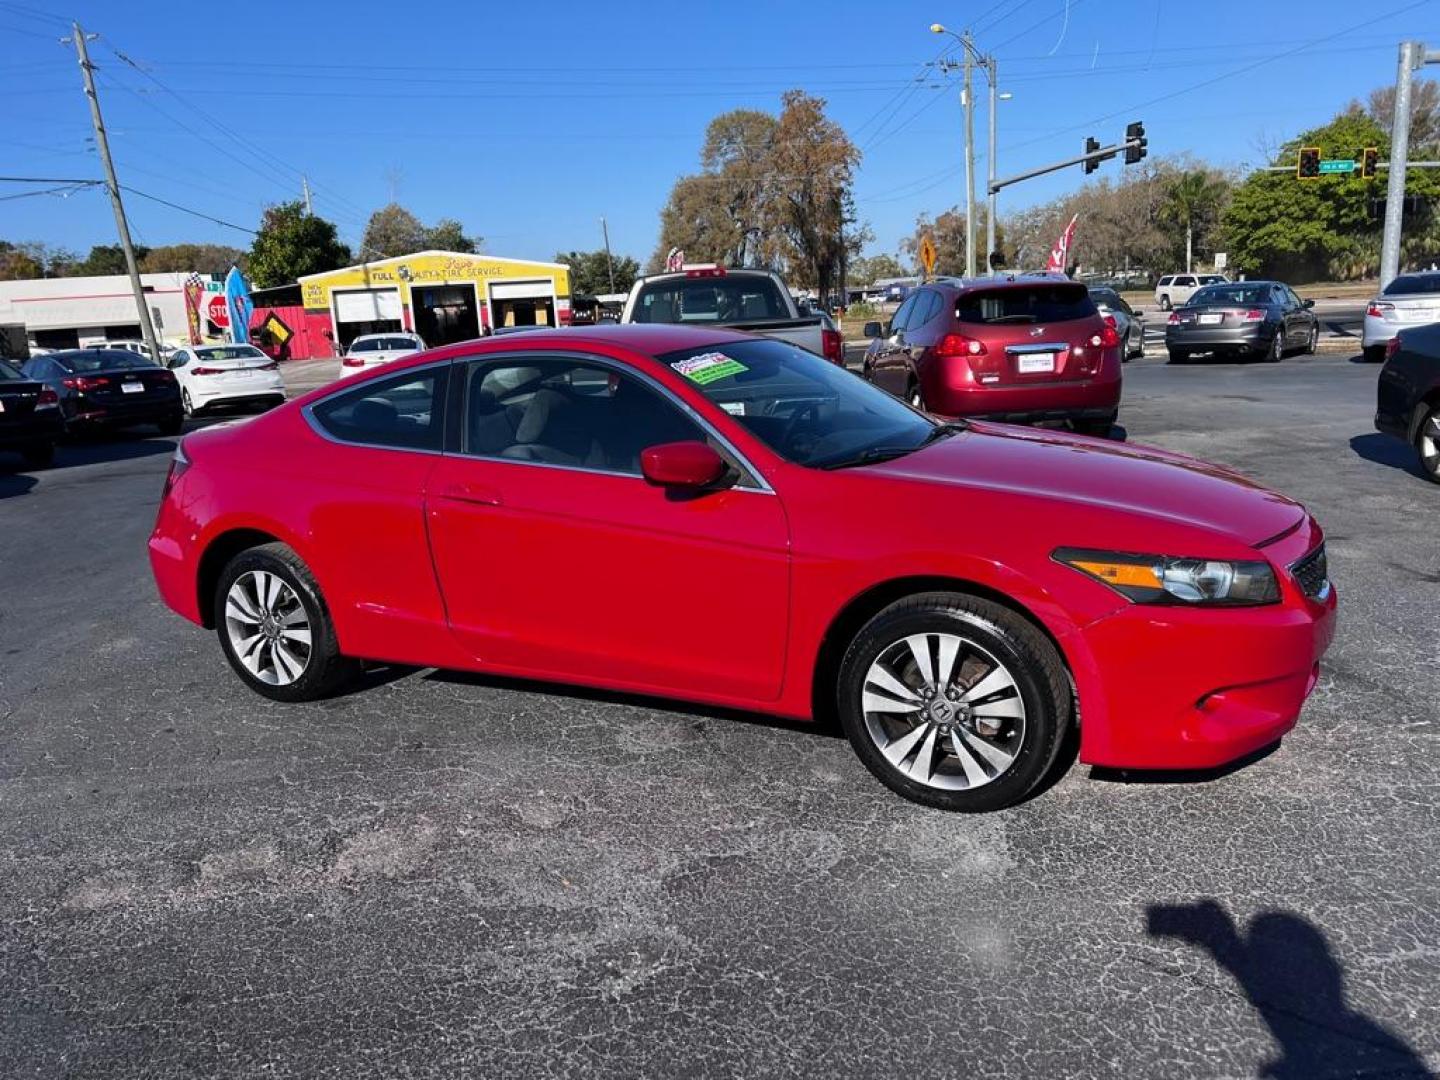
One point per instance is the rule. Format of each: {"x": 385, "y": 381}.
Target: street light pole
{"x": 1413, "y": 56}
{"x": 990, "y": 169}
{"x": 969, "y": 157}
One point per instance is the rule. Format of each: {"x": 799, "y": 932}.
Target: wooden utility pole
{"x": 87, "y": 71}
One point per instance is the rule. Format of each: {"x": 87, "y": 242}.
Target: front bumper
{"x": 1186, "y": 688}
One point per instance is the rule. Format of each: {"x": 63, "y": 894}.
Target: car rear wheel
{"x": 1374, "y": 354}
{"x": 1427, "y": 442}
{"x": 1164, "y": 303}
{"x": 954, "y": 702}
{"x": 1276, "y": 350}
{"x": 915, "y": 396}
{"x": 274, "y": 627}
{"x": 186, "y": 403}
{"x": 1314, "y": 340}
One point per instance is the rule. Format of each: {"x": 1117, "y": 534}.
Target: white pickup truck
{"x": 755, "y": 301}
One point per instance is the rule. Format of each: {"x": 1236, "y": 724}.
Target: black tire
{"x": 173, "y": 426}
{"x": 914, "y": 396}
{"x": 1099, "y": 429}
{"x": 1164, "y": 303}
{"x": 1374, "y": 354}
{"x": 186, "y": 404}
{"x": 1429, "y": 431}
{"x": 1275, "y": 351}
{"x": 325, "y": 668}
{"x": 1179, "y": 356}
{"x": 1040, "y": 683}
{"x": 39, "y": 455}
{"x": 1313, "y": 342}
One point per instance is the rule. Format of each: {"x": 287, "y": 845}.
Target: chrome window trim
{"x": 1039, "y": 347}
{"x": 318, "y": 428}
{"x": 620, "y": 368}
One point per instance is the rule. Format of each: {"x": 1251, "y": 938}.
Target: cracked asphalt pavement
{"x": 446, "y": 875}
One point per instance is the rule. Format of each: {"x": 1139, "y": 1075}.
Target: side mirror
{"x": 686, "y": 465}
{"x": 873, "y": 330}
{"x": 1307, "y": 304}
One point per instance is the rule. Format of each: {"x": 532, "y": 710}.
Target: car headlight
{"x": 1163, "y": 579}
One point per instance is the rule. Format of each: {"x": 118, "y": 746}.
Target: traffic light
{"x": 1091, "y": 145}
{"x": 1369, "y": 162}
{"x": 1308, "y": 167}
{"x": 1135, "y": 142}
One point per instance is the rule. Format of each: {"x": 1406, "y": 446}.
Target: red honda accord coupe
{"x": 705, "y": 515}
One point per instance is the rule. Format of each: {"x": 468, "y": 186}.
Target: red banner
{"x": 1060, "y": 253}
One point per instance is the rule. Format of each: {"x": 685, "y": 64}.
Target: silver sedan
{"x": 1409, "y": 300}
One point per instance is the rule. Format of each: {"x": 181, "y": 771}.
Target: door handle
{"x": 475, "y": 494}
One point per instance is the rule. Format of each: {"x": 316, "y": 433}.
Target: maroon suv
{"x": 1020, "y": 349}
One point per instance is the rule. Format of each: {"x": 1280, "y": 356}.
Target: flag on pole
{"x": 1060, "y": 253}
{"x": 194, "y": 292}
{"x": 675, "y": 260}
{"x": 237, "y": 300}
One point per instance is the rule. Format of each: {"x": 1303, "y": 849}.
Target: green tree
{"x": 205, "y": 258}
{"x": 864, "y": 270}
{"x": 1193, "y": 204}
{"x": 1307, "y": 230}
{"x": 590, "y": 271}
{"x": 447, "y": 234}
{"x": 392, "y": 230}
{"x": 292, "y": 243}
{"x": 16, "y": 265}
{"x": 948, "y": 234}
{"x": 105, "y": 259}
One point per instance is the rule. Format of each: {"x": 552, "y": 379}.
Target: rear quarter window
{"x": 405, "y": 412}
{"x": 1413, "y": 284}
{"x": 1024, "y": 304}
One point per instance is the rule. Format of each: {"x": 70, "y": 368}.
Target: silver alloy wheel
{"x": 917, "y": 400}
{"x": 1277, "y": 347}
{"x": 268, "y": 627}
{"x": 185, "y": 403}
{"x": 1314, "y": 339}
{"x": 943, "y": 711}
{"x": 1430, "y": 444}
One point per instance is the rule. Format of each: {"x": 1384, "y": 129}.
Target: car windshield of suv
{"x": 1231, "y": 294}
{"x": 710, "y": 300}
{"x": 383, "y": 344}
{"x": 231, "y": 352}
{"x": 1210, "y": 279}
{"x": 1411, "y": 284}
{"x": 1045, "y": 303}
{"x": 103, "y": 360}
{"x": 804, "y": 408}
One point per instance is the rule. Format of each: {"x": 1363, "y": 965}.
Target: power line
{"x": 45, "y": 180}
{"x": 188, "y": 210}
{"x": 68, "y": 189}
{"x": 1070, "y": 6}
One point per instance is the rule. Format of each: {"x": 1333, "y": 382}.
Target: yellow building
{"x": 444, "y": 296}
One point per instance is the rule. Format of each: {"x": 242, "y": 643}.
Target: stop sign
{"x": 217, "y": 311}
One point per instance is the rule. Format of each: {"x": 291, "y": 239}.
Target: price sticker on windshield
{"x": 708, "y": 367}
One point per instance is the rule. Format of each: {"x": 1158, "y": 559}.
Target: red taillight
{"x": 85, "y": 382}
{"x": 178, "y": 464}
{"x": 959, "y": 345}
{"x": 1174, "y": 319}
{"x": 705, "y": 270}
{"x": 207, "y": 371}
{"x": 832, "y": 346}
{"x": 1392, "y": 346}
{"x": 1110, "y": 322}
{"x": 1379, "y": 310}
{"x": 352, "y": 361}
{"x": 48, "y": 399}
{"x": 1108, "y": 338}
{"x": 1255, "y": 315}
{"x": 272, "y": 366}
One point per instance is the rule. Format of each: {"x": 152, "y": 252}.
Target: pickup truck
{"x": 755, "y": 301}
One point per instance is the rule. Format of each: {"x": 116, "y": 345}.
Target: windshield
{"x": 1024, "y": 304}
{"x": 8, "y": 372}
{"x": 1210, "y": 279}
{"x": 384, "y": 344}
{"x": 231, "y": 352}
{"x": 1231, "y": 294}
{"x": 1410, "y": 284}
{"x": 710, "y": 300}
{"x": 804, "y": 408}
{"x": 103, "y": 360}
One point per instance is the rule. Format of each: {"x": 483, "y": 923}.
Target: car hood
{"x": 1140, "y": 480}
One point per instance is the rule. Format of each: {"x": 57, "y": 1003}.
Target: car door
{"x": 1305, "y": 319}
{"x": 920, "y": 330}
{"x": 890, "y": 368}
{"x": 1289, "y": 313}
{"x": 557, "y": 559}
{"x": 1183, "y": 289}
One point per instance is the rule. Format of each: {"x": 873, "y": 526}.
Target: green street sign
{"x": 1337, "y": 165}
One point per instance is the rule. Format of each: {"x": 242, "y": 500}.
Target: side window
{"x": 901, "y": 319}
{"x": 1165, "y": 282}
{"x": 567, "y": 412}
{"x": 405, "y": 412}
{"x": 1185, "y": 282}
{"x": 926, "y": 308}
{"x": 1290, "y": 295}
{"x": 179, "y": 359}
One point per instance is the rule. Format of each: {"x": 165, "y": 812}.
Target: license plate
{"x": 1211, "y": 320}
{"x": 132, "y": 387}
{"x": 1033, "y": 363}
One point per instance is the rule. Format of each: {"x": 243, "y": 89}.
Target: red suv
{"x": 1019, "y": 349}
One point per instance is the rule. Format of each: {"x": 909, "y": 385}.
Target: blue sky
{"x": 529, "y": 122}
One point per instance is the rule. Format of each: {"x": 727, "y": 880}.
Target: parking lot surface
{"x": 447, "y": 875}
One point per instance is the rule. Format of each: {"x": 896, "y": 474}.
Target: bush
{"x": 862, "y": 310}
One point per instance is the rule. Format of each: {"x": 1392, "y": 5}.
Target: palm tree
{"x": 1193, "y": 198}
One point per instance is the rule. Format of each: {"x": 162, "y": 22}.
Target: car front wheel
{"x": 274, "y": 626}
{"x": 954, "y": 702}
{"x": 1427, "y": 442}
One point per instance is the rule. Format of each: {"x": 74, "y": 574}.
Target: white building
{"x": 64, "y": 313}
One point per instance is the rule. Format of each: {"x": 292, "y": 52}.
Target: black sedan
{"x": 1261, "y": 319}
{"x": 109, "y": 388}
{"x": 1407, "y": 399}
{"x": 29, "y": 417}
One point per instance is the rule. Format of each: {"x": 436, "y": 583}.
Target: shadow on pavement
{"x": 12, "y": 484}
{"x": 584, "y": 693}
{"x": 1387, "y": 450}
{"x": 1181, "y": 776}
{"x": 1284, "y": 965}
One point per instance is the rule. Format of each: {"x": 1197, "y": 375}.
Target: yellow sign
{"x": 927, "y": 254}
{"x": 276, "y": 328}
{"x": 430, "y": 268}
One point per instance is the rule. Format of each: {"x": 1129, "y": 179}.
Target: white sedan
{"x": 371, "y": 350}
{"x": 212, "y": 375}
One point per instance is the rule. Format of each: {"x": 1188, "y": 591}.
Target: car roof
{"x": 386, "y": 333}
{"x": 63, "y": 353}
{"x": 650, "y": 339}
